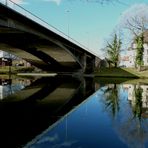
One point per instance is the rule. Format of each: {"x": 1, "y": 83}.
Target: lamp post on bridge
{"x": 87, "y": 40}
{"x": 68, "y": 21}
{"x": 6, "y": 2}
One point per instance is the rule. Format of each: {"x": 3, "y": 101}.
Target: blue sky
{"x": 90, "y": 23}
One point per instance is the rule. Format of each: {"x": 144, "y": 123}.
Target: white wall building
{"x": 129, "y": 57}
{"x": 145, "y": 54}
{"x": 128, "y": 60}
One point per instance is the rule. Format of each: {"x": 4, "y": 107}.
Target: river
{"x": 61, "y": 112}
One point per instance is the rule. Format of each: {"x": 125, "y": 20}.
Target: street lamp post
{"x": 6, "y": 2}
{"x": 87, "y": 40}
{"x": 68, "y": 20}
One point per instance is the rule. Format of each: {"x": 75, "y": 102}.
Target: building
{"x": 145, "y": 53}
{"x": 5, "y": 59}
{"x": 128, "y": 60}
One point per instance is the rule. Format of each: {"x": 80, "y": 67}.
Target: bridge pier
{"x": 88, "y": 63}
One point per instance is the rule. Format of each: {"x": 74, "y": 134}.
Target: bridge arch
{"x": 40, "y": 46}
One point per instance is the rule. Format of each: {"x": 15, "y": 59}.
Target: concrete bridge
{"x": 43, "y": 46}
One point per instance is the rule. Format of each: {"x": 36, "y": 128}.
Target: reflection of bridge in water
{"x": 30, "y": 111}
{"x": 40, "y": 44}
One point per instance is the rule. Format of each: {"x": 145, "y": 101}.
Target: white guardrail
{"x": 38, "y": 20}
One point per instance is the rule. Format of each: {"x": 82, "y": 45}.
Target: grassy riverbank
{"x": 15, "y": 70}
{"x": 121, "y": 73}
{"x": 103, "y": 72}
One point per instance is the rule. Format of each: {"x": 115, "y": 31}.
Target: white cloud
{"x": 56, "y": 1}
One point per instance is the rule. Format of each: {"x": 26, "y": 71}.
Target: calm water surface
{"x": 28, "y": 106}
{"x": 115, "y": 116}
{"x": 59, "y": 112}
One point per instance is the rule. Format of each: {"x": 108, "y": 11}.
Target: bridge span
{"x": 34, "y": 41}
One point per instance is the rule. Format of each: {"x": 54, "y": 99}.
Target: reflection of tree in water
{"x": 132, "y": 133}
{"x": 137, "y": 108}
{"x": 112, "y": 99}
{"x": 132, "y": 128}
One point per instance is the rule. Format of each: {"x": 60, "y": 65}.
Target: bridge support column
{"x": 84, "y": 59}
{"x": 88, "y": 64}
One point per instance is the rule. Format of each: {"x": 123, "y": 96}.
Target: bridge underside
{"x": 41, "y": 47}
{"x": 39, "y": 52}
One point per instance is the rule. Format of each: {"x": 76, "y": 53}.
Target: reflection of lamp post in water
{"x": 66, "y": 129}
{"x": 68, "y": 142}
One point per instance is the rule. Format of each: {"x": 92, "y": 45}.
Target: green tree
{"x": 139, "y": 50}
{"x": 113, "y": 50}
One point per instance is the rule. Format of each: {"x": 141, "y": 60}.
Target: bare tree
{"x": 135, "y": 20}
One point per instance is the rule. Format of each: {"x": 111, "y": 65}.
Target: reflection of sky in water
{"x": 92, "y": 124}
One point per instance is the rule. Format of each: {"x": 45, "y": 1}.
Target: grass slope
{"x": 121, "y": 72}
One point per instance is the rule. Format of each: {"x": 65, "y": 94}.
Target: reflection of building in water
{"x": 145, "y": 95}
{"x": 4, "y": 89}
{"x": 131, "y": 95}
{"x": 1, "y": 92}
{"x": 8, "y": 87}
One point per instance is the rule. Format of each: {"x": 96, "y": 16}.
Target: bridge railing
{"x": 38, "y": 20}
